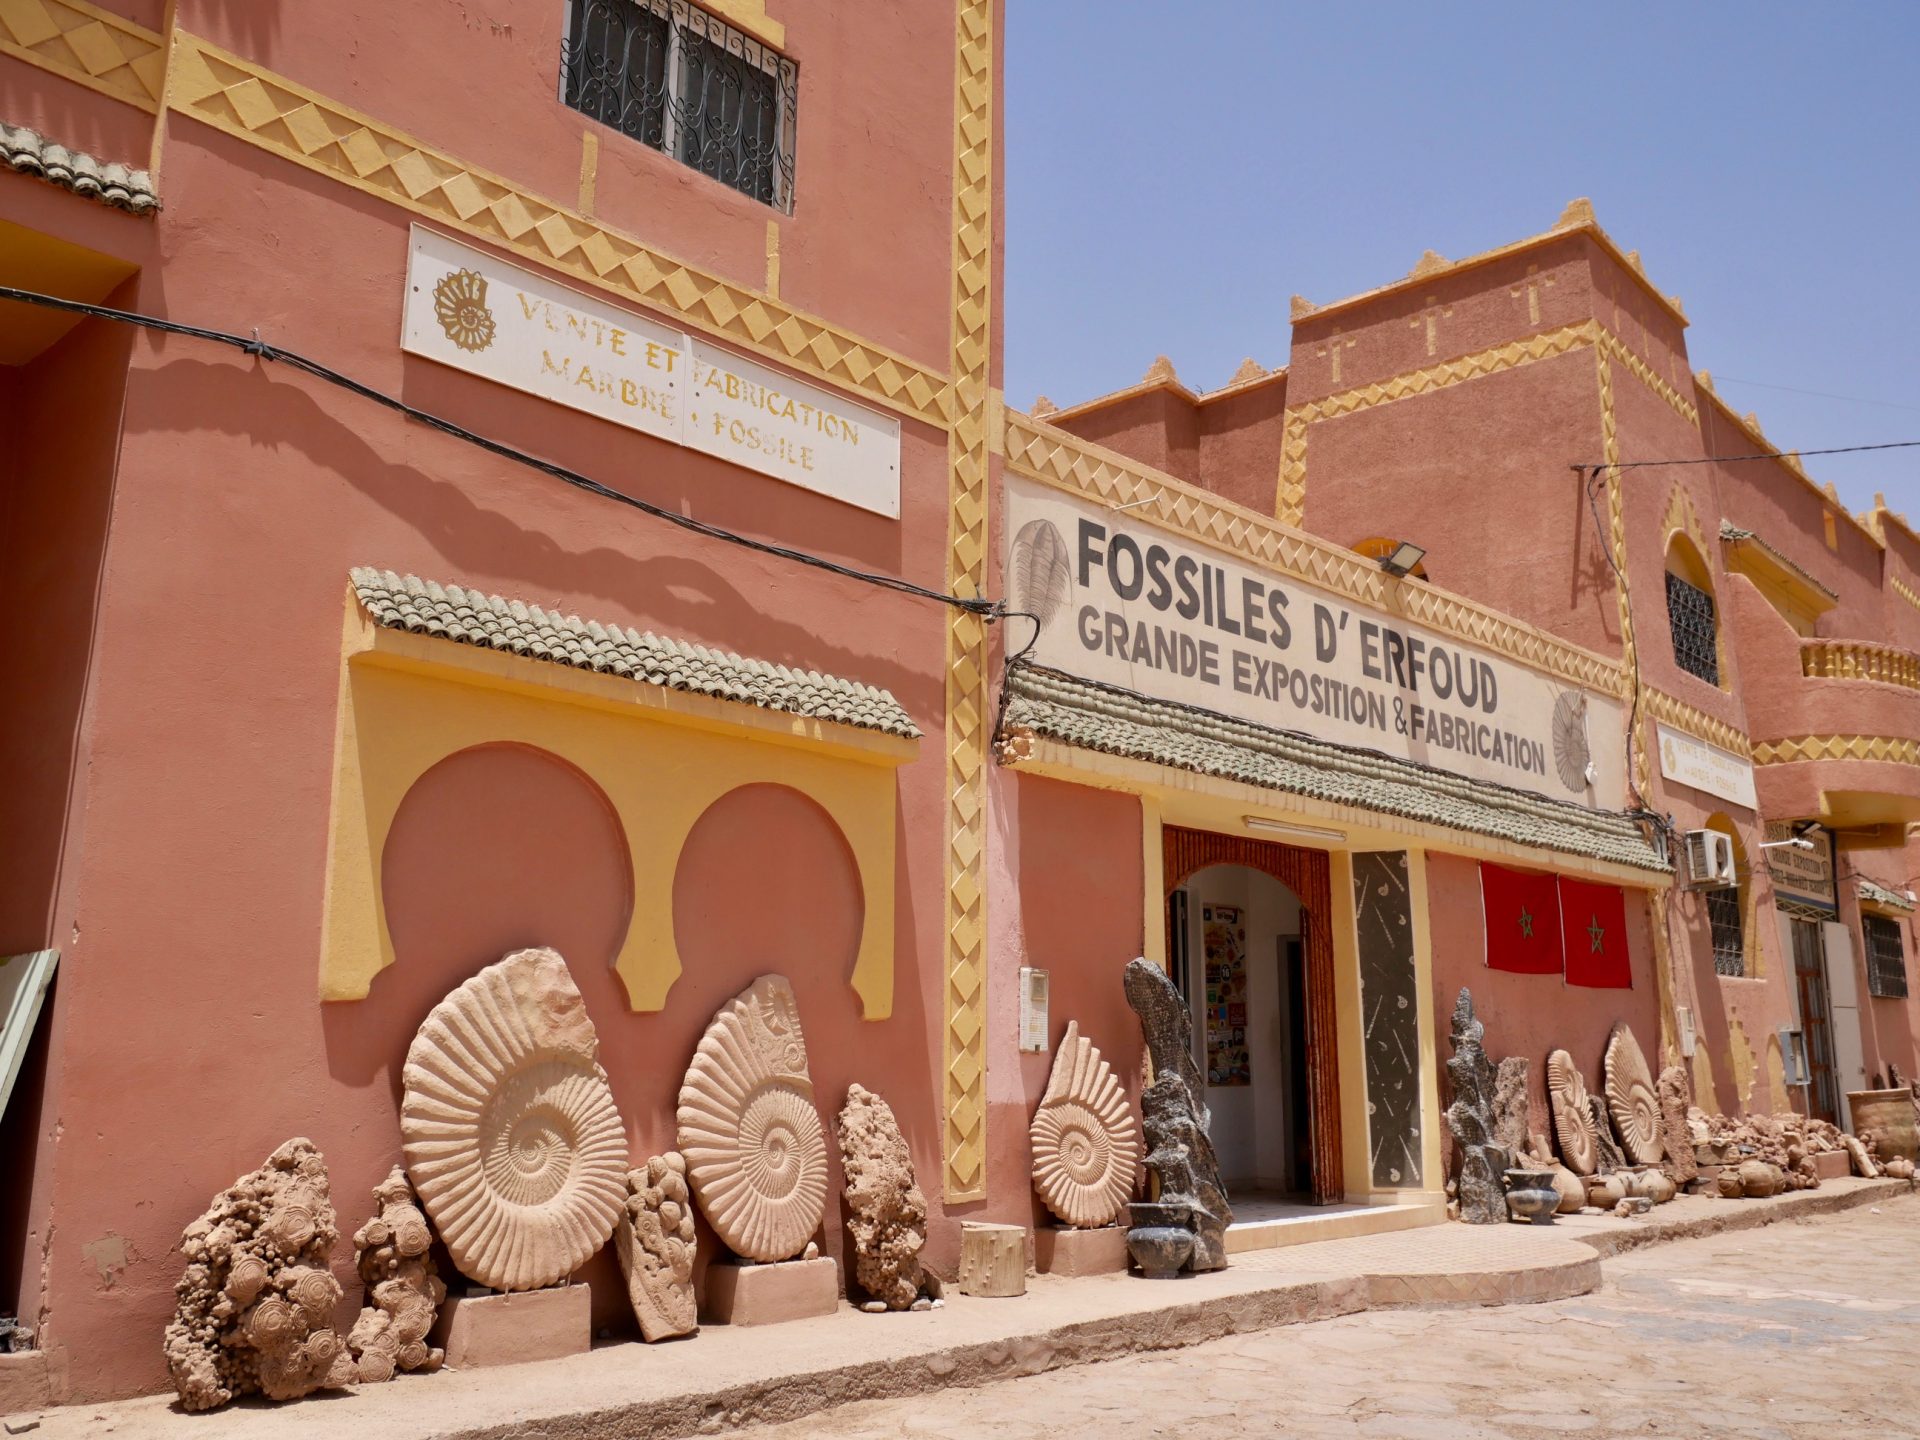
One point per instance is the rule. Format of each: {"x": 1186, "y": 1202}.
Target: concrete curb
{"x": 1743, "y": 1215}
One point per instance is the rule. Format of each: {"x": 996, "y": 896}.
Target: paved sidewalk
{"x": 725, "y": 1378}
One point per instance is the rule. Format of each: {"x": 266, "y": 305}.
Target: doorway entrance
{"x": 1816, "y": 1018}
{"x": 1249, "y": 946}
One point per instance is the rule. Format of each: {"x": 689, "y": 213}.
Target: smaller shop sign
{"x": 1802, "y": 879}
{"x": 479, "y": 314}
{"x": 1695, "y": 763}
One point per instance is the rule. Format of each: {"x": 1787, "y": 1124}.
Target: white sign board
{"x": 467, "y": 309}
{"x": 1127, "y": 604}
{"x": 1695, "y": 763}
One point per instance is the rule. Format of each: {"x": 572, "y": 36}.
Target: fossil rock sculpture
{"x": 1086, "y": 1146}
{"x": 756, "y": 1151}
{"x": 1631, "y": 1099}
{"x": 656, "y": 1242}
{"x": 886, "y": 1213}
{"x": 1612, "y": 1157}
{"x": 1510, "y": 1107}
{"x": 255, "y": 1306}
{"x": 1174, "y": 1115}
{"x": 1572, "y": 1115}
{"x": 1675, "y": 1096}
{"x": 509, "y": 1130}
{"x": 1482, "y": 1161}
{"x": 403, "y": 1292}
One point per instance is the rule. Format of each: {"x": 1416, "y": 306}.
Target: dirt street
{"x": 1790, "y": 1332}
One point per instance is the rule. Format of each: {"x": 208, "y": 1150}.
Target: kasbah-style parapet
{"x": 336, "y": 709}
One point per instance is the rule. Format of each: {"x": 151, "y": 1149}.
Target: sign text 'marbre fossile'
{"x": 1128, "y": 605}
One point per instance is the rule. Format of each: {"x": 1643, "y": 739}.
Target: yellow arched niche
{"x": 661, "y": 757}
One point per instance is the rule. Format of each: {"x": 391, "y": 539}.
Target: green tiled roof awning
{"x": 402, "y": 602}
{"x": 1092, "y": 716}
{"x": 1883, "y": 897}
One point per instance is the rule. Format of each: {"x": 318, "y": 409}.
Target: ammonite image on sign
{"x": 1571, "y": 751}
{"x": 1039, "y": 573}
{"x": 460, "y": 305}
{"x": 510, "y": 1133}
{"x": 1572, "y": 1115}
{"x": 755, "y": 1148}
{"x": 1086, "y": 1143}
{"x": 1631, "y": 1098}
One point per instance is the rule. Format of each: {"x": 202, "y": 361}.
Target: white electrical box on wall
{"x": 1033, "y": 1010}
{"x": 1687, "y": 1040}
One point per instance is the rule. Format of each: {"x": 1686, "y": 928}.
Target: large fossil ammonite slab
{"x": 1572, "y": 1118}
{"x": 1086, "y": 1143}
{"x": 756, "y": 1150}
{"x": 510, "y": 1133}
{"x": 1631, "y": 1098}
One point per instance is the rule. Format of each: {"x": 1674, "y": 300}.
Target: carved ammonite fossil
{"x": 1631, "y": 1098}
{"x": 1572, "y": 1119}
{"x": 1571, "y": 752}
{"x": 755, "y": 1148}
{"x": 1086, "y": 1143}
{"x": 510, "y": 1133}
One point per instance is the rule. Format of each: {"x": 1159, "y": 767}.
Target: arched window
{"x": 1726, "y": 909}
{"x": 1690, "y": 612}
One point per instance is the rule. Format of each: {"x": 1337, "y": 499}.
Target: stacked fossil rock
{"x": 1471, "y": 1117}
{"x": 886, "y": 1213}
{"x": 1754, "y": 1156}
{"x": 403, "y": 1292}
{"x": 657, "y": 1244}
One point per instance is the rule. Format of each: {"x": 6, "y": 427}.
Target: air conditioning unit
{"x": 1709, "y": 860}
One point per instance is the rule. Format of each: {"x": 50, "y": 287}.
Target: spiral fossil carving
{"x": 1086, "y": 1143}
{"x": 509, "y": 1130}
{"x": 1572, "y": 1114}
{"x": 755, "y": 1148}
{"x": 1631, "y": 1098}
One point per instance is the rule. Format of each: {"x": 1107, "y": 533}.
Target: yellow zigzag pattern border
{"x": 964, "y": 1146}
{"x": 1905, "y": 591}
{"x": 1888, "y": 749}
{"x": 1672, "y": 711}
{"x": 87, "y": 45}
{"x": 235, "y": 96}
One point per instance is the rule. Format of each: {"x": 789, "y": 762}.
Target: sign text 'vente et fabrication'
{"x": 1128, "y": 605}
{"x": 477, "y": 313}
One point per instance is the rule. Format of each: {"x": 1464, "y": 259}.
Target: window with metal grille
{"x": 1695, "y": 637}
{"x": 1886, "y": 957}
{"x": 1723, "y": 922}
{"x": 691, "y": 86}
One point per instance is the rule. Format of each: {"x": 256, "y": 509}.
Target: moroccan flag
{"x": 1523, "y": 920}
{"x": 1593, "y": 927}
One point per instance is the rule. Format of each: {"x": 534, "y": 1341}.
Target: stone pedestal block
{"x": 24, "y": 1383}
{"x": 768, "y": 1294}
{"x": 478, "y": 1330}
{"x": 1832, "y": 1165}
{"x": 1059, "y": 1250}
{"x": 993, "y": 1259}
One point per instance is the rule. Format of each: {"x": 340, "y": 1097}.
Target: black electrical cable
{"x": 1765, "y": 455}
{"x": 988, "y": 609}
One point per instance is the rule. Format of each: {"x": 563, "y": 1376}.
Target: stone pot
{"x": 1532, "y": 1195}
{"x": 1888, "y": 1116}
{"x": 1160, "y": 1240}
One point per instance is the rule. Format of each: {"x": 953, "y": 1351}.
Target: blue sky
{"x": 1176, "y": 171}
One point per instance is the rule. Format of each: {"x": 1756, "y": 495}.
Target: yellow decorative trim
{"x": 964, "y": 1146}
{"x": 241, "y": 99}
{"x": 1860, "y": 660}
{"x": 750, "y": 16}
{"x": 87, "y": 45}
{"x": 1639, "y": 764}
{"x": 1081, "y": 468}
{"x": 1616, "y": 349}
{"x": 1680, "y": 516}
{"x": 1905, "y": 591}
{"x": 1672, "y": 711}
{"x": 1888, "y": 749}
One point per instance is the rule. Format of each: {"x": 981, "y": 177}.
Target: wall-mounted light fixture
{"x": 1798, "y": 842}
{"x": 1403, "y": 558}
{"x": 1287, "y": 827}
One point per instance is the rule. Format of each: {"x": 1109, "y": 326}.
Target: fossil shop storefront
{"x": 1294, "y": 772}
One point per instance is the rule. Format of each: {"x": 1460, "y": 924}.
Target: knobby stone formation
{"x": 886, "y": 1213}
{"x": 1175, "y": 1116}
{"x": 1572, "y": 1115}
{"x": 509, "y": 1129}
{"x": 1483, "y": 1164}
{"x": 656, "y": 1242}
{"x": 1631, "y": 1098}
{"x": 1086, "y": 1146}
{"x": 1510, "y": 1107}
{"x": 756, "y": 1151}
{"x": 403, "y": 1292}
{"x": 1676, "y": 1096}
{"x": 1612, "y": 1157}
{"x": 255, "y": 1306}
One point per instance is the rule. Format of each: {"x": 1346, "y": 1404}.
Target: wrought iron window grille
{"x": 1886, "y": 957}
{"x": 1724, "y": 925}
{"x": 689, "y": 85}
{"x": 1696, "y": 635}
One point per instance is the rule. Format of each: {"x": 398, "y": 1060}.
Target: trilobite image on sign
{"x": 1571, "y": 751}
{"x": 1040, "y": 574}
{"x": 509, "y": 1130}
{"x": 1631, "y": 1098}
{"x": 1086, "y": 1143}
{"x": 756, "y": 1151}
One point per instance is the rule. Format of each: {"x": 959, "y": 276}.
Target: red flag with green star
{"x": 1593, "y": 926}
{"x": 1523, "y": 920}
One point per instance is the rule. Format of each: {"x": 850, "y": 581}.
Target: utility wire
{"x": 989, "y": 609}
{"x": 1720, "y": 379}
{"x": 1765, "y": 455}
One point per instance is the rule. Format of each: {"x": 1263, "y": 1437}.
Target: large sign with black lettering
{"x": 1121, "y": 602}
